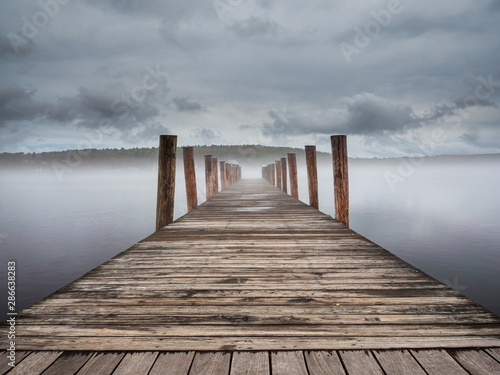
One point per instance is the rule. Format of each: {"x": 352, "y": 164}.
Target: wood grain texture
{"x": 477, "y": 362}
{"x": 211, "y": 363}
{"x": 136, "y": 363}
{"x": 254, "y": 269}
{"x": 360, "y": 362}
{"x": 68, "y": 363}
{"x": 288, "y": 363}
{"x": 190, "y": 177}
{"x": 250, "y": 363}
{"x": 312, "y": 176}
{"x": 166, "y": 180}
{"x": 437, "y": 362}
{"x": 35, "y": 363}
{"x": 398, "y": 362}
{"x": 324, "y": 363}
{"x": 340, "y": 178}
{"x": 173, "y": 363}
{"x": 292, "y": 171}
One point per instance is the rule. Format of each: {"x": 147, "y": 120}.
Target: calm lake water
{"x": 442, "y": 217}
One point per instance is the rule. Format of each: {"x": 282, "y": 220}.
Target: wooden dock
{"x": 254, "y": 269}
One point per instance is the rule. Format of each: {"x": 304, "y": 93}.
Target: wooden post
{"x": 292, "y": 171}
{"x": 215, "y": 177}
{"x": 190, "y": 177}
{"x": 312, "y": 176}
{"x": 283, "y": 175}
{"x": 208, "y": 176}
{"x": 166, "y": 180}
{"x": 273, "y": 174}
{"x": 278, "y": 174}
{"x": 228, "y": 175}
{"x": 223, "y": 175}
{"x": 340, "y": 178}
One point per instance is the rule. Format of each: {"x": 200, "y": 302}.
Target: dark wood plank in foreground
{"x": 255, "y": 269}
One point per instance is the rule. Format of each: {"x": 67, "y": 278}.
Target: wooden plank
{"x": 35, "y": 363}
{"x": 68, "y": 363}
{"x": 136, "y": 363}
{"x": 288, "y": 363}
{"x": 398, "y": 362}
{"x": 101, "y": 364}
{"x": 360, "y": 362}
{"x": 211, "y": 363}
{"x": 437, "y": 362}
{"x": 476, "y": 361}
{"x": 323, "y": 363}
{"x": 494, "y": 352}
{"x": 174, "y": 363}
{"x": 250, "y": 363}
{"x": 4, "y": 361}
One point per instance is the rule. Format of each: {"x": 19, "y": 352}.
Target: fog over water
{"x": 441, "y": 216}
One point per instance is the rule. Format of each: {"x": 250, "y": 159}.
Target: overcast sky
{"x": 399, "y": 77}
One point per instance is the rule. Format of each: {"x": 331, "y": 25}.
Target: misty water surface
{"x": 443, "y": 218}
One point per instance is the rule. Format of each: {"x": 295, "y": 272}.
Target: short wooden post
{"x": 292, "y": 171}
{"x": 284, "y": 175}
{"x": 278, "y": 174}
{"x": 312, "y": 176}
{"x": 208, "y": 176}
{"x": 273, "y": 174}
{"x": 215, "y": 177}
{"x": 340, "y": 178}
{"x": 166, "y": 180}
{"x": 190, "y": 177}
{"x": 223, "y": 175}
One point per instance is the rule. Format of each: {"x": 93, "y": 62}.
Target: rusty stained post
{"x": 312, "y": 176}
{"x": 208, "y": 176}
{"x": 292, "y": 171}
{"x": 190, "y": 177}
{"x": 340, "y": 178}
{"x": 166, "y": 180}
{"x": 283, "y": 175}
{"x": 273, "y": 174}
{"x": 278, "y": 174}
{"x": 215, "y": 177}
{"x": 223, "y": 175}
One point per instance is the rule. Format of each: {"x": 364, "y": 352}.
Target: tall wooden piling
{"x": 208, "y": 176}
{"x": 278, "y": 174}
{"x": 283, "y": 175}
{"x": 312, "y": 176}
{"x": 223, "y": 175}
{"x": 273, "y": 174}
{"x": 292, "y": 171}
{"x": 215, "y": 177}
{"x": 190, "y": 177}
{"x": 340, "y": 178}
{"x": 166, "y": 180}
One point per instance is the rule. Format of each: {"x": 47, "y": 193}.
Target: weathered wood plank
{"x": 215, "y": 363}
{"x": 101, "y": 364}
{"x": 175, "y": 363}
{"x": 398, "y": 362}
{"x": 494, "y": 352}
{"x": 476, "y": 361}
{"x": 288, "y": 363}
{"x": 35, "y": 363}
{"x": 437, "y": 362}
{"x": 323, "y": 363}
{"x": 360, "y": 362}
{"x": 250, "y": 363}
{"x": 68, "y": 363}
{"x": 136, "y": 363}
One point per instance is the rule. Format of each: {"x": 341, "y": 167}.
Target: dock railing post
{"x": 278, "y": 174}
{"x": 190, "y": 177}
{"x": 340, "y": 178}
{"x": 166, "y": 180}
{"x": 273, "y": 174}
{"x": 312, "y": 176}
{"x": 292, "y": 171}
{"x": 283, "y": 175}
{"x": 215, "y": 177}
{"x": 208, "y": 176}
